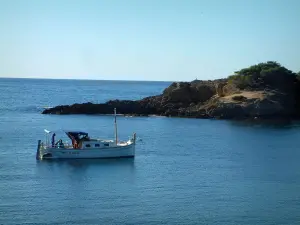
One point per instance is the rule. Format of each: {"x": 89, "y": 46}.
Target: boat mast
{"x": 116, "y": 129}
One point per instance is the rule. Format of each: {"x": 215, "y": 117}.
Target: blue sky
{"x": 145, "y": 40}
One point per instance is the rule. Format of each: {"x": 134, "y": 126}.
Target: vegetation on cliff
{"x": 270, "y": 74}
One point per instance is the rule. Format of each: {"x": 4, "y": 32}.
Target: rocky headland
{"x": 264, "y": 91}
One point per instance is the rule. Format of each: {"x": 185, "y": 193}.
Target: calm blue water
{"x": 186, "y": 171}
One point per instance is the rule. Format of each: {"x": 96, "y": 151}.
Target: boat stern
{"x": 38, "y": 155}
{"x": 133, "y": 139}
{"x": 41, "y": 152}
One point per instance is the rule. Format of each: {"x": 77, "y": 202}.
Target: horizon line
{"x": 86, "y": 79}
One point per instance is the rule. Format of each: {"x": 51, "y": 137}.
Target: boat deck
{"x": 70, "y": 146}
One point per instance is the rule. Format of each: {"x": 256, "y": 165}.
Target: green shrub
{"x": 269, "y": 73}
{"x": 240, "y": 81}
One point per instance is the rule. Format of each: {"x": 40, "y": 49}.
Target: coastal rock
{"x": 227, "y": 111}
{"x": 188, "y": 92}
{"x": 237, "y": 106}
{"x": 261, "y": 91}
{"x": 220, "y": 90}
{"x": 230, "y": 89}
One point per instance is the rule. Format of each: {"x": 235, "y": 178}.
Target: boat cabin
{"x": 81, "y": 140}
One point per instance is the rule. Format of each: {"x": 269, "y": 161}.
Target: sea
{"x": 186, "y": 171}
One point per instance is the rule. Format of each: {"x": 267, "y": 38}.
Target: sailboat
{"x": 85, "y": 147}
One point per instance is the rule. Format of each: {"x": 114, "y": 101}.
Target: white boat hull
{"x": 115, "y": 152}
{"x": 85, "y": 147}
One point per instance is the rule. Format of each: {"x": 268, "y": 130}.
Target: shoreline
{"x": 239, "y": 119}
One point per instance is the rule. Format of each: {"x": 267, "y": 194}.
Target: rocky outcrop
{"x": 188, "y": 92}
{"x": 197, "y": 101}
{"x": 262, "y": 97}
{"x": 270, "y": 104}
{"x": 220, "y": 89}
{"x": 229, "y": 89}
